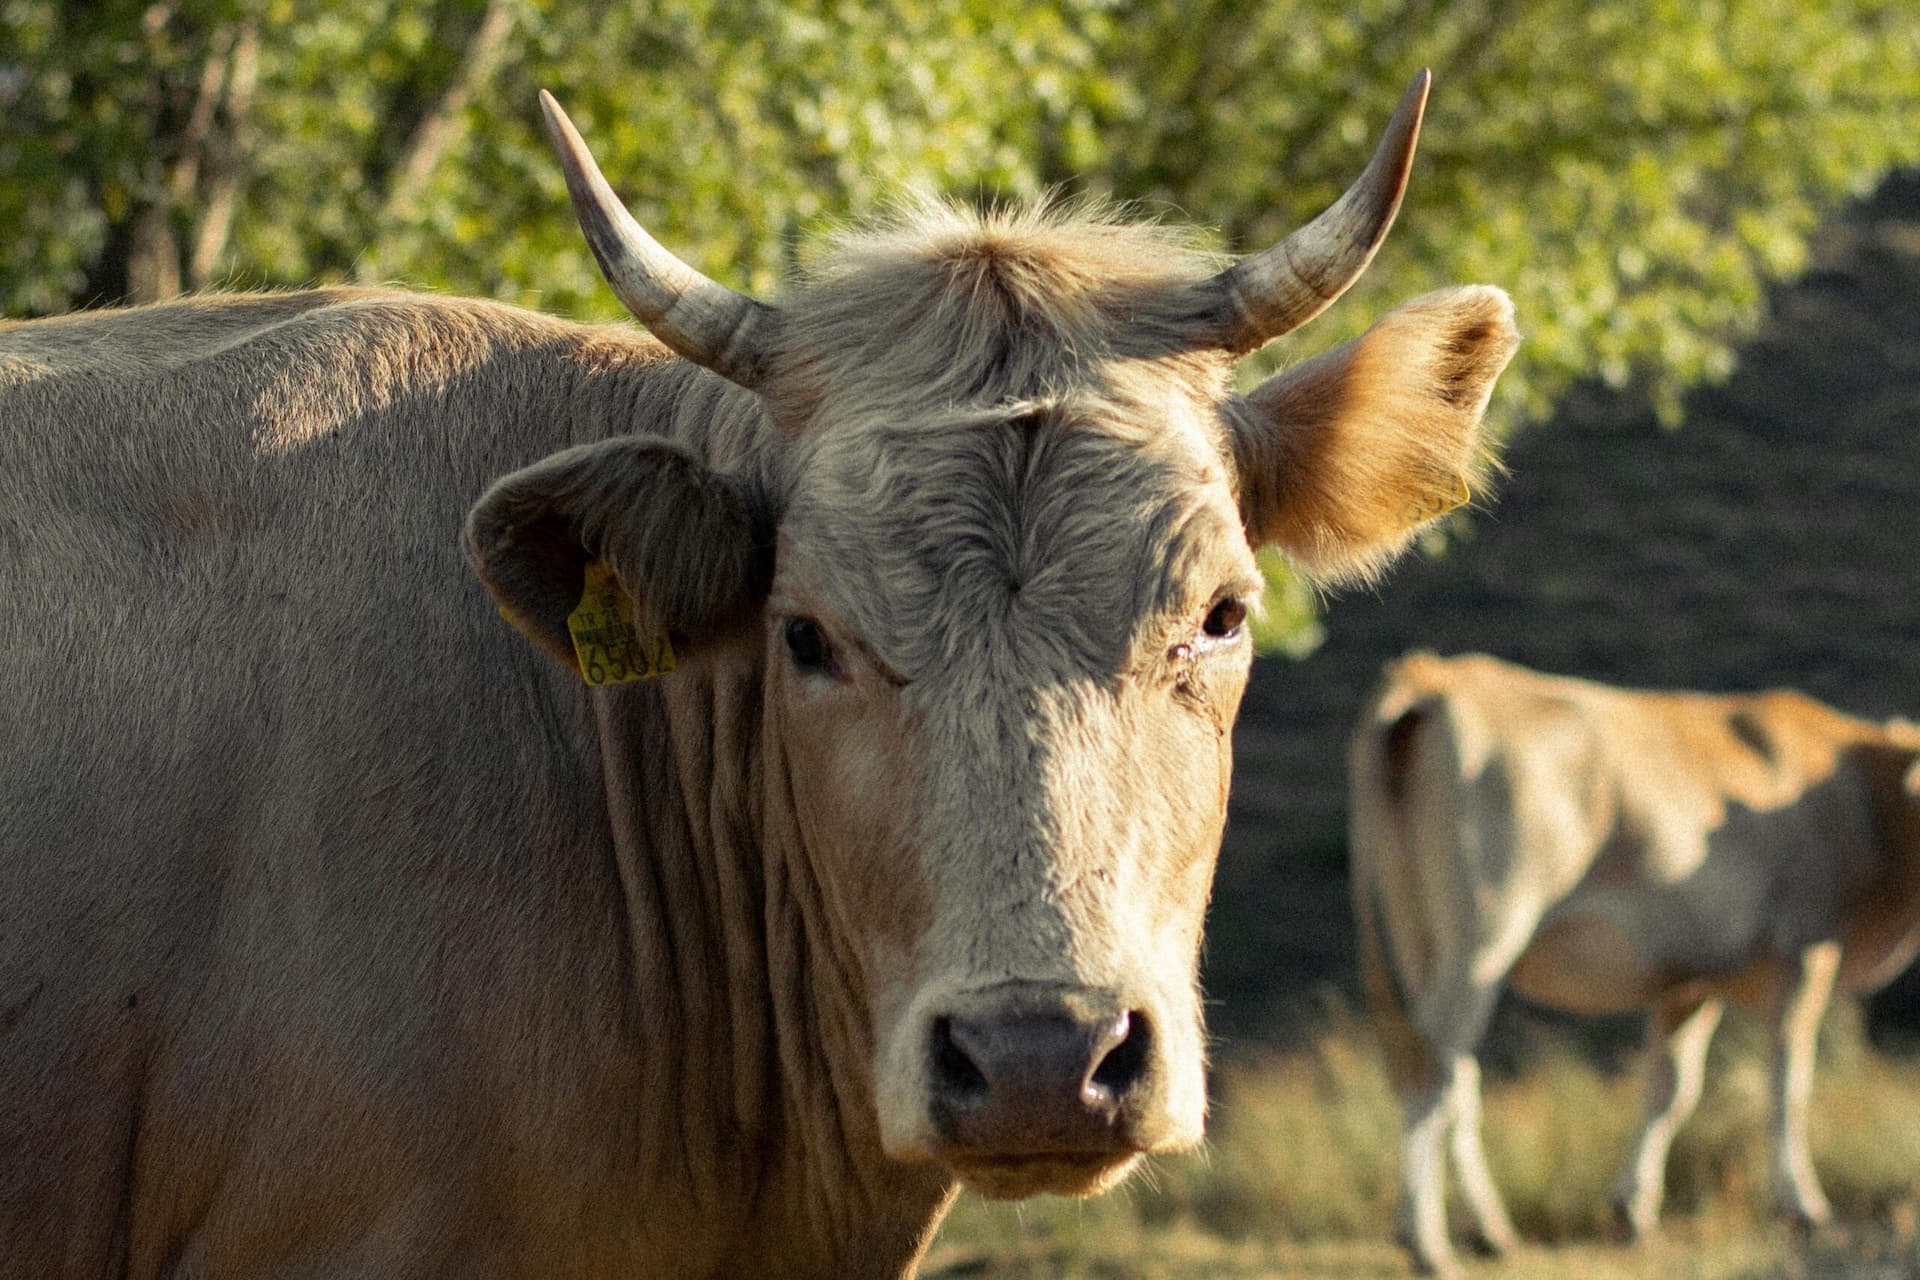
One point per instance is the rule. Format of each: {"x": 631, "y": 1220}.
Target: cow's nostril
{"x": 1125, "y": 1063}
{"x": 1042, "y": 1075}
{"x": 955, "y": 1074}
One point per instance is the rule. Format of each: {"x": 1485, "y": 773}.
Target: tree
{"x": 152, "y": 147}
{"x": 142, "y": 136}
{"x": 1634, "y": 173}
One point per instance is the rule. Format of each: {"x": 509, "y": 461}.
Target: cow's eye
{"x": 1226, "y": 618}
{"x": 808, "y": 646}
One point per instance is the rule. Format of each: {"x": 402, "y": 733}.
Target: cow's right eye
{"x": 807, "y": 645}
{"x": 1225, "y": 619}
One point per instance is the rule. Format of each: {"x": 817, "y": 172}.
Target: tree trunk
{"x": 153, "y": 260}
{"x": 444, "y": 123}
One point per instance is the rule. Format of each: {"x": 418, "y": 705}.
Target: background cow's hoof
{"x": 1809, "y": 1221}
{"x": 1492, "y": 1244}
{"x": 1444, "y": 1267}
{"x": 1426, "y": 1261}
{"x": 1630, "y": 1226}
{"x": 1801, "y": 1203}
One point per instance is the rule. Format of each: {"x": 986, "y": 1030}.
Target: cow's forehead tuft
{"x": 1086, "y": 239}
{"x": 954, "y": 305}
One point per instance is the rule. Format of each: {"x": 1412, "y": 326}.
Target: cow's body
{"x": 342, "y": 932}
{"x": 1601, "y": 849}
{"x": 318, "y": 936}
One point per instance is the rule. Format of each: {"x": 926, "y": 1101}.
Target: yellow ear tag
{"x": 1436, "y": 505}
{"x": 604, "y": 641}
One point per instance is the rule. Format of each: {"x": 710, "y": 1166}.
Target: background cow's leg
{"x": 1421, "y": 1221}
{"x": 1806, "y": 985}
{"x": 1463, "y": 1008}
{"x": 1494, "y": 1231}
{"x": 1678, "y": 1033}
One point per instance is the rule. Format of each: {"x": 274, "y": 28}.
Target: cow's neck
{"x": 753, "y": 1021}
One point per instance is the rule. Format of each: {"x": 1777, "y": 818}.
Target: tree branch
{"x": 444, "y": 122}
{"x": 195, "y": 134}
{"x": 226, "y": 161}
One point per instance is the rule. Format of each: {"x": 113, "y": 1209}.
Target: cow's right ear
{"x": 1343, "y": 457}
{"x": 691, "y": 546}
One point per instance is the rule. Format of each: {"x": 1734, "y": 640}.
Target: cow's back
{"x": 1738, "y": 824}
{"x": 1644, "y": 837}
{"x": 291, "y": 826}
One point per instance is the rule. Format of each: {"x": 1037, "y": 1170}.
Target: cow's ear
{"x": 691, "y": 546}
{"x": 1342, "y": 457}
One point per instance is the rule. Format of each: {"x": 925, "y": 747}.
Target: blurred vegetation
{"x": 1633, "y": 171}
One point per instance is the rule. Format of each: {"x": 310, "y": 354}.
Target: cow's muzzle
{"x": 1042, "y": 1089}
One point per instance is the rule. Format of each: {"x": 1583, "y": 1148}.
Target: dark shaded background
{"x": 1773, "y": 540}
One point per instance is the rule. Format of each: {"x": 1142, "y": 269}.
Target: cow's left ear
{"x": 691, "y": 546}
{"x": 1342, "y": 457}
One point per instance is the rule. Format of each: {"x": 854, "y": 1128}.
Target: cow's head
{"x": 1012, "y": 507}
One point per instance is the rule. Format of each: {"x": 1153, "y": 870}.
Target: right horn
{"x": 700, "y": 318}
{"x": 1281, "y": 288}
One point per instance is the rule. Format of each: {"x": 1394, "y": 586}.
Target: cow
{"x": 1598, "y": 849}
{"x": 839, "y": 832}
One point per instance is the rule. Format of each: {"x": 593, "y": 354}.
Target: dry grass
{"x": 1298, "y": 1178}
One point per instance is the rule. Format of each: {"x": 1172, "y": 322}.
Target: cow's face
{"x": 1011, "y": 507}
{"x": 1004, "y": 651}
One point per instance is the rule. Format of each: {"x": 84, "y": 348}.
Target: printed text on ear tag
{"x": 604, "y": 641}
{"x": 1436, "y": 505}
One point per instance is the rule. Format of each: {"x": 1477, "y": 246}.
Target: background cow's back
{"x": 1600, "y": 850}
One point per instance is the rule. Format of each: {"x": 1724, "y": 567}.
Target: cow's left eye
{"x": 1225, "y": 619}
{"x": 807, "y": 645}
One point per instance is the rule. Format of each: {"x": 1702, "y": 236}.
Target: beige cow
{"x": 1600, "y": 850}
{"x": 342, "y": 932}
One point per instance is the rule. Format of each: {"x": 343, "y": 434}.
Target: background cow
{"x": 341, "y": 932}
{"x": 1601, "y": 849}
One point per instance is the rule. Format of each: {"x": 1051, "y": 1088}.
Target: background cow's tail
{"x": 1384, "y": 774}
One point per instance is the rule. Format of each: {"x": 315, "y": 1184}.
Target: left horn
{"x": 700, "y": 318}
{"x": 1281, "y": 288}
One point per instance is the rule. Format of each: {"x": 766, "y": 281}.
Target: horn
{"x": 1283, "y": 287}
{"x": 700, "y": 318}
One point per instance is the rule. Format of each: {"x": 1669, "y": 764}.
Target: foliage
{"x": 1634, "y": 173}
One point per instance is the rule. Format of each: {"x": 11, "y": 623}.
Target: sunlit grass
{"x": 1299, "y": 1176}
